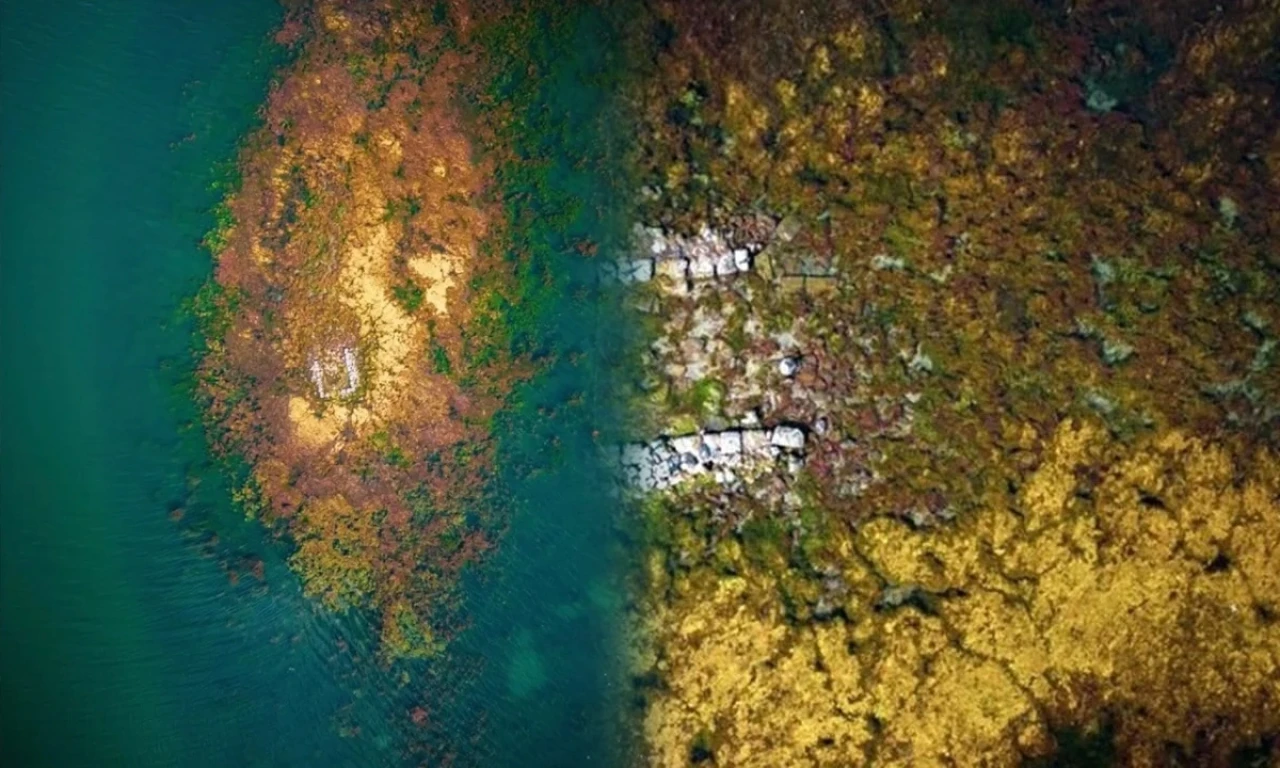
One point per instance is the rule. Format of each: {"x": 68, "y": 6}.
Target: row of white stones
{"x": 680, "y": 259}
{"x": 353, "y": 372}
{"x": 725, "y": 456}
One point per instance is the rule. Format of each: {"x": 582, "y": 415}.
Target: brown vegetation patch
{"x": 340, "y": 377}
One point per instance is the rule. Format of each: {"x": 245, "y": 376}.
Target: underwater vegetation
{"x": 1018, "y": 286}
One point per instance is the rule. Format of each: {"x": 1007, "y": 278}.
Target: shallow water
{"x": 546, "y": 611}
{"x": 123, "y": 641}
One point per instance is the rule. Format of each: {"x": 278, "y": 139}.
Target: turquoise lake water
{"x": 548, "y": 609}
{"x": 126, "y": 638}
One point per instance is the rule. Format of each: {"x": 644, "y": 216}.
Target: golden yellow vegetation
{"x": 1129, "y": 588}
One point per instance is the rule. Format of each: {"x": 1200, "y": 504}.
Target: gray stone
{"x": 791, "y": 438}
{"x": 885, "y": 262}
{"x": 755, "y": 441}
{"x": 702, "y": 266}
{"x": 788, "y": 228}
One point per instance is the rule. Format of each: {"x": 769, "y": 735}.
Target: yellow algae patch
{"x": 394, "y": 337}
{"x": 438, "y": 269}
{"x": 1149, "y": 599}
{"x": 333, "y": 18}
{"x": 391, "y": 146}
{"x": 334, "y": 542}
{"x": 738, "y": 683}
{"x": 745, "y": 685}
{"x": 366, "y": 277}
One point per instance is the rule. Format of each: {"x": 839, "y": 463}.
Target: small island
{"x": 350, "y": 361}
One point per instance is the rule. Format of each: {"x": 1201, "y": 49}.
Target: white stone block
{"x": 634, "y": 454}
{"x": 791, "y": 438}
{"x": 702, "y": 266}
{"x": 686, "y": 444}
{"x": 755, "y": 442}
{"x": 725, "y": 264}
{"x": 642, "y": 270}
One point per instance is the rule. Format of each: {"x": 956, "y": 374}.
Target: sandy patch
{"x": 395, "y": 339}
{"x": 312, "y": 430}
{"x": 438, "y": 270}
{"x": 366, "y": 278}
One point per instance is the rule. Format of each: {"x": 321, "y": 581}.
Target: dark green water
{"x": 123, "y": 641}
